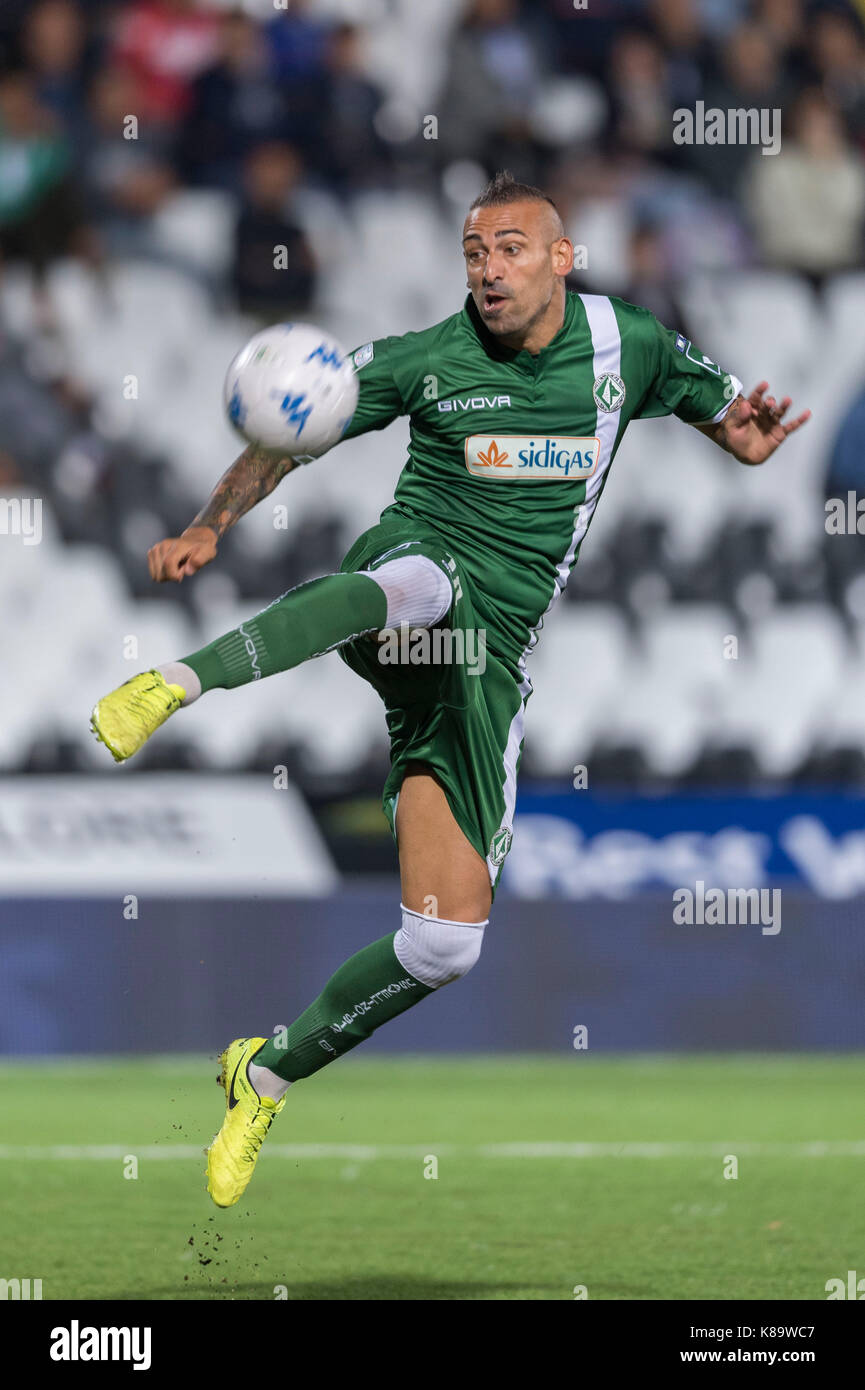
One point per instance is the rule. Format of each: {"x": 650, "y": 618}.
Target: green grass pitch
{"x": 340, "y": 1207}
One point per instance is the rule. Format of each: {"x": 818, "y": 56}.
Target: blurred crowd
{"x": 114, "y": 111}
{"x": 350, "y": 132}
{"x": 108, "y": 107}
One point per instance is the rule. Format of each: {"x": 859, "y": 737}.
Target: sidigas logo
{"x": 492, "y": 457}
{"x": 519, "y": 456}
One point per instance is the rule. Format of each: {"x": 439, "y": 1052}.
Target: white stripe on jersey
{"x": 607, "y": 357}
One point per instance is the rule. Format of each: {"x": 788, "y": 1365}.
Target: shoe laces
{"x": 258, "y": 1127}
{"x": 150, "y": 700}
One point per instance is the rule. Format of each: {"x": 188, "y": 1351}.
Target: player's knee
{"x": 417, "y": 590}
{"x": 436, "y": 951}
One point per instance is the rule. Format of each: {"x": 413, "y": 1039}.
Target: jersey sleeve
{"x": 686, "y": 382}
{"x": 380, "y": 399}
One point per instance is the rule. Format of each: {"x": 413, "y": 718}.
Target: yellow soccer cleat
{"x": 232, "y": 1156}
{"x": 125, "y": 719}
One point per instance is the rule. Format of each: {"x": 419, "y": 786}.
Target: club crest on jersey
{"x": 500, "y": 844}
{"x": 519, "y": 456}
{"x": 609, "y": 392}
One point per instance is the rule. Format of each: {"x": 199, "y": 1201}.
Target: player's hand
{"x": 176, "y": 558}
{"x": 753, "y": 427}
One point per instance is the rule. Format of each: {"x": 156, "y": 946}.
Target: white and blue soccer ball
{"x": 292, "y": 387}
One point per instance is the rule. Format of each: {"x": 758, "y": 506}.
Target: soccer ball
{"x": 292, "y": 387}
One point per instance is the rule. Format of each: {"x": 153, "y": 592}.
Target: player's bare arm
{"x": 753, "y": 428}
{"x": 252, "y": 477}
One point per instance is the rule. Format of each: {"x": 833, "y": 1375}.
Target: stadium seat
{"x": 778, "y": 690}
{"x": 675, "y": 685}
{"x": 578, "y": 672}
{"x": 665, "y": 470}
{"x": 755, "y": 324}
{"x": 333, "y": 715}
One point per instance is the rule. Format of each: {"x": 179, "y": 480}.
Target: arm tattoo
{"x": 250, "y": 478}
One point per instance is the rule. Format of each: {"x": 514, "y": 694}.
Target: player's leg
{"x": 446, "y": 899}
{"x": 439, "y": 869}
{"x": 445, "y": 884}
{"x": 449, "y": 796}
{"x": 305, "y": 622}
{"x": 316, "y": 617}
{"x": 441, "y": 873}
{"x": 443, "y": 880}
{"x": 445, "y": 905}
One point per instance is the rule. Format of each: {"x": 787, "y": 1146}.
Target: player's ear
{"x": 563, "y": 256}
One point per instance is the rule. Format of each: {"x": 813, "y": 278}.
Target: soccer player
{"x": 517, "y": 405}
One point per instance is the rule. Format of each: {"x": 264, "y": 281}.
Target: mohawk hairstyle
{"x": 504, "y": 188}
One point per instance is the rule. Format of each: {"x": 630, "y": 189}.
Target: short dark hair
{"x": 503, "y": 188}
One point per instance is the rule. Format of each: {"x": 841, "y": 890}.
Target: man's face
{"x": 515, "y": 258}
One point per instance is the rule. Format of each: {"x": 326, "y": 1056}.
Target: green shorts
{"x": 450, "y": 701}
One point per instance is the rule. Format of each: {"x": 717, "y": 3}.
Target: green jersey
{"x": 509, "y": 451}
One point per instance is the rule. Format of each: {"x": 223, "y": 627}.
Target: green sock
{"x": 371, "y": 988}
{"x": 308, "y": 620}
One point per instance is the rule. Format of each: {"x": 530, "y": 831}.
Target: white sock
{"x": 418, "y": 592}
{"x": 266, "y": 1082}
{"x": 178, "y": 673}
